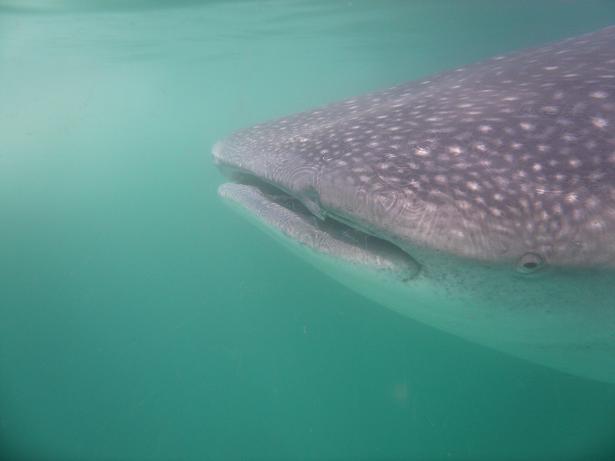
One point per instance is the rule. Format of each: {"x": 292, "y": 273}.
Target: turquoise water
{"x": 142, "y": 319}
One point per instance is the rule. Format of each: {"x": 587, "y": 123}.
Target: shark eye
{"x": 530, "y": 263}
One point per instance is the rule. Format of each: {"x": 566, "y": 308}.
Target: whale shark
{"x": 479, "y": 201}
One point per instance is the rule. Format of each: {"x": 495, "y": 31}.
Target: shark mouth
{"x": 284, "y": 215}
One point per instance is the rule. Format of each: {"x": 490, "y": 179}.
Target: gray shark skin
{"x": 480, "y": 201}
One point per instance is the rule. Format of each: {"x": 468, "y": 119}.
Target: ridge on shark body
{"x": 480, "y": 201}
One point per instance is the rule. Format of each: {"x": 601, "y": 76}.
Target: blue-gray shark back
{"x": 478, "y": 175}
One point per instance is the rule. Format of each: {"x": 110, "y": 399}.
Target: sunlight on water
{"x": 141, "y": 319}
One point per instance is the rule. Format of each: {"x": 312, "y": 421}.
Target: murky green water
{"x": 141, "y": 319}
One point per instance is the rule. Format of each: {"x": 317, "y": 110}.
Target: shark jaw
{"x": 288, "y": 218}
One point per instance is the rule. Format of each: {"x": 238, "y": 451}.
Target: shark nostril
{"x": 530, "y": 263}
{"x": 310, "y": 198}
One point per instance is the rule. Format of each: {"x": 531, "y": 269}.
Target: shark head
{"x": 480, "y": 201}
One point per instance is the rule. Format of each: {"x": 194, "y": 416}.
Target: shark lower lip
{"x": 287, "y": 217}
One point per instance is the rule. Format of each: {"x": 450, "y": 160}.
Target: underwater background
{"x": 141, "y": 319}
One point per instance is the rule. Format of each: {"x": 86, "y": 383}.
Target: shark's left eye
{"x": 530, "y": 263}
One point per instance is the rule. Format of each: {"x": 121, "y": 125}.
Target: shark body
{"x": 480, "y": 201}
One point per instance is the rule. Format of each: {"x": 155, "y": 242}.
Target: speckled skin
{"x": 509, "y": 156}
